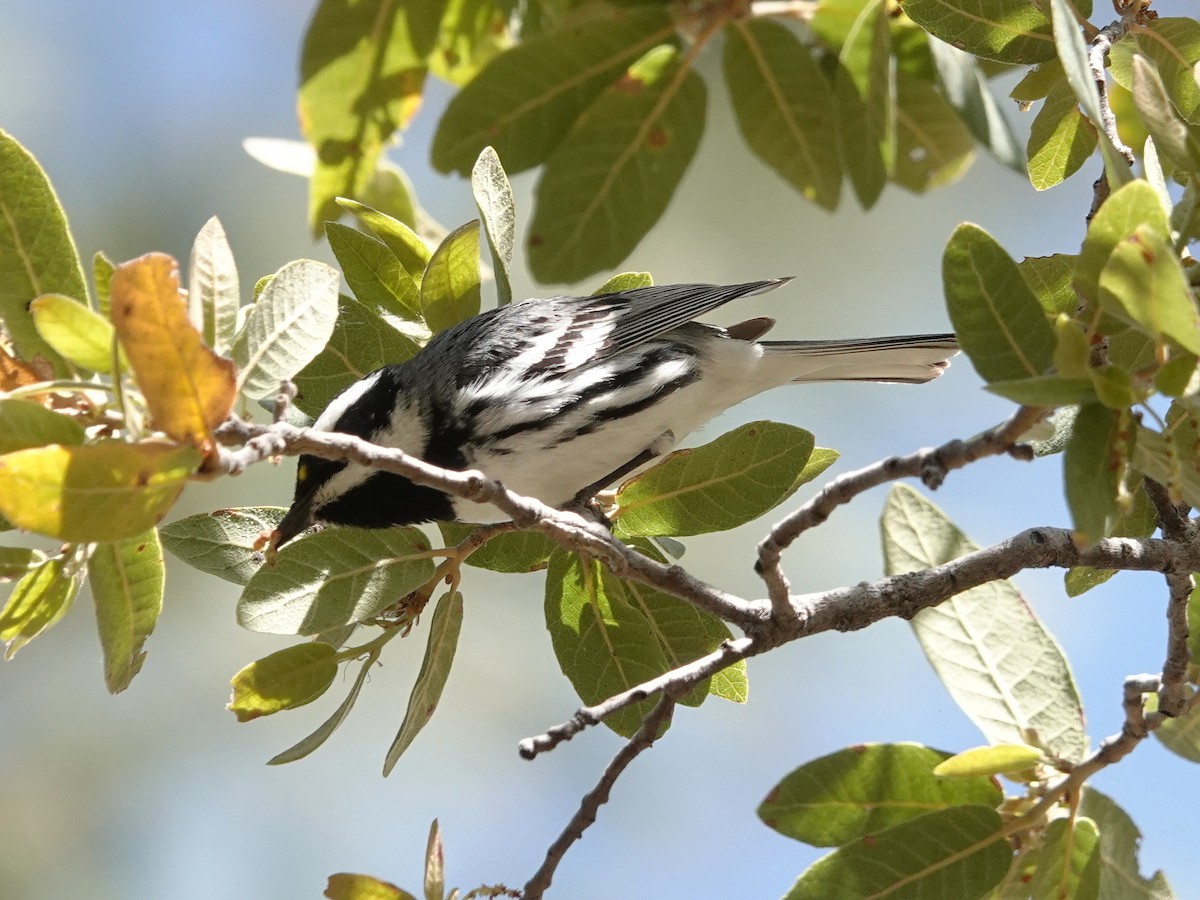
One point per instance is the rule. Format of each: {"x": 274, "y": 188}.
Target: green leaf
{"x": 287, "y": 326}
{"x": 933, "y": 146}
{"x": 510, "y": 552}
{"x": 1044, "y": 390}
{"x": 864, "y": 88}
{"x": 102, "y": 272}
{"x": 728, "y": 482}
{"x": 472, "y": 34}
{"x": 286, "y": 679}
{"x": 784, "y": 106}
{"x": 494, "y": 199}
{"x": 126, "y": 578}
{"x": 213, "y": 290}
{"x": 863, "y": 790}
{"x": 1177, "y": 142}
{"x": 957, "y": 852}
{"x": 526, "y": 100}
{"x": 1037, "y": 82}
{"x": 362, "y": 342}
{"x": 1011, "y": 31}
{"x": 37, "y": 252}
{"x": 82, "y": 337}
{"x": 431, "y": 679}
{"x": 101, "y": 492}
{"x": 1120, "y": 877}
{"x": 222, "y": 543}
{"x": 1173, "y": 44}
{"x": 333, "y": 578}
{"x": 450, "y": 289}
{"x": 24, "y": 423}
{"x": 966, "y": 87}
{"x": 1139, "y": 520}
{"x": 1068, "y": 42}
{"x": 993, "y": 759}
{"x": 1181, "y": 734}
{"x": 37, "y": 601}
{"x": 998, "y": 319}
{"x": 15, "y": 562}
{"x": 349, "y": 886}
{"x": 1060, "y": 139}
{"x": 611, "y": 178}
{"x": 362, "y": 70}
{"x": 611, "y": 635}
{"x": 1069, "y": 861}
{"x": 1122, "y": 213}
{"x": 435, "y": 866}
{"x": 998, "y": 662}
{"x": 405, "y": 243}
{"x": 304, "y": 747}
{"x": 1049, "y": 277}
{"x": 377, "y": 278}
{"x": 1092, "y": 468}
{"x": 626, "y": 281}
{"x": 1143, "y": 282}
{"x": 1169, "y": 458}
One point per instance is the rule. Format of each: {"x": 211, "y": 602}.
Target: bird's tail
{"x": 910, "y": 359}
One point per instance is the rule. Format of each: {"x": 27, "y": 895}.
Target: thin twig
{"x": 650, "y": 728}
{"x": 931, "y": 465}
{"x": 1175, "y": 525}
{"x": 1098, "y": 50}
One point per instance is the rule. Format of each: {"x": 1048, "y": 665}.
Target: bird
{"x": 559, "y": 397}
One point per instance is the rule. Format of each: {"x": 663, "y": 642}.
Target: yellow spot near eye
{"x": 302, "y": 472}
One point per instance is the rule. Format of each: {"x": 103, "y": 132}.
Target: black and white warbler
{"x": 558, "y": 398}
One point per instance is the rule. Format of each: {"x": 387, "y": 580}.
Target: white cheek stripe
{"x": 342, "y": 402}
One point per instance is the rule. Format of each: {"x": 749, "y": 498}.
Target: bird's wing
{"x": 645, "y": 313}
{"x": 582, "y": 331}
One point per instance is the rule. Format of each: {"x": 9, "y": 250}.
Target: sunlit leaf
{"x": 493, "y": 197}
{"x": 864, "y": 88}
{"x": 956, "y": 852}
{"x": 473, "y": 33}
{"x": 1069, "y": 861}
{"x": 1119, "y": 841}
{"x": 362, "y": 71}
{"x": 784, "y": 106}
{"x": 1060, "y": 140}
{"x": 1173, "y": 44}
{"x": 994, "y": 759}
{"x": 998, "y": 320}
{"x": 17, "y": 561}
{"x": 101, "y": 492}
{"x": 865, "y": 789}
{"x": 333, "y": 578}
{"x": 39, "y": 600}
{"x": 307, "y": 745}
{"x": 1133, "y": 205}
{"x": 286, "y": 679}
{"x": 431, "y": 679}
{"x": 362, "y": 342}
{"x": 213, "y": 292}
{"x": 626, "y": 281}
{"x": 287, "y": 327}
{"x": 37, "y": 253}
{"x": 993, "y": 655}
{"x": 728, "y": 482}
{"x": 349, "y": 886}
{"x": 525, "y": 101}
{"x": 374, "y": 274}
{"x": 1143, "y": 282}
{"x": 1011, "y": 31}
{"x": 611, "y": 178}
{"x": 450, "y": 289}
{"x": 189, "y": 388}
{"x": 1049, "y": 277}
{"x": 126, "y": 578}
{"x": 405, "y": 244}
{"x": 82, "y": 337}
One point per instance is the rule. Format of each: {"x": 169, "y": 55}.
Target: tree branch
{"x": 651, "y": 727}
{"x": 1175, "y": 525}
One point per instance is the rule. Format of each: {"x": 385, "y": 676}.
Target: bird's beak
{"x": 298, "y": 518}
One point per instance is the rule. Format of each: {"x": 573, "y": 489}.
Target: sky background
{"x": 137, "y": 111}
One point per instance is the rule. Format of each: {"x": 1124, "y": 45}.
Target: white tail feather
{"x": 909, "y": 359}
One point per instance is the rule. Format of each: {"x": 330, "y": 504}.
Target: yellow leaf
{"x": 351, "y": 886}
{"x": 188, "y": 387}
{"x": 14, "y": 373}
{"x": 102, "y": 492}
